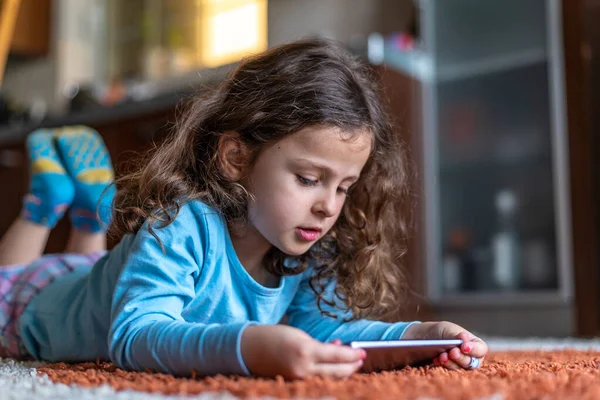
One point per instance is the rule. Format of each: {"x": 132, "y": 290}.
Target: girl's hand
{"x": 271, "y": 350}
{"x": 458, "y": 357}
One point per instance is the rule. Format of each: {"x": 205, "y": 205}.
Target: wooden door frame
{"x": 583, "y": 186}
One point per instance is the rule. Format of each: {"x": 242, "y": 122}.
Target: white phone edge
{"x": 404, "y": 343}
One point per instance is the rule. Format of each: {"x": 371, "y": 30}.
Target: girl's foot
{"x": 87, "y": 161}
{"x": 51, "y": 190}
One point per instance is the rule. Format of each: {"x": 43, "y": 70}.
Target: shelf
{"x": 420, "y": 65}
{"x": 501, "y": 298}
{"x": 494, "y": 162}
{"x": 492, "y": 64}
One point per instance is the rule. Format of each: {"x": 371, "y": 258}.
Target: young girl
{"x": 278, "y": 195}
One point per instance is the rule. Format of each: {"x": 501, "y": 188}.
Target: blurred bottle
{"x": 505, "y": 243}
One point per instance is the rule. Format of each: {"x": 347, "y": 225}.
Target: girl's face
{"x": 299, "y": 186}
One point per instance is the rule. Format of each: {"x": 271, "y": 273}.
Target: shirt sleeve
{"x": 147, "y": 328}
{"x": 304, "y": 314}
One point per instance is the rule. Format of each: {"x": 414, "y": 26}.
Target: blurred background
{"x": 497, "y": 101}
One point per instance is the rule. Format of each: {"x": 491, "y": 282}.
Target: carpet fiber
{"x": 559, "y": 373}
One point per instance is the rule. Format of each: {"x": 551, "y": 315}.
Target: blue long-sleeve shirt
{"x": 177, "y": 311}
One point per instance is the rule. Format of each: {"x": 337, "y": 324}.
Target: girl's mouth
{"x": 308, "y": 234}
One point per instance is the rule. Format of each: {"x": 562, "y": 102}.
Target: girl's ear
{"x": 233, "y": 156}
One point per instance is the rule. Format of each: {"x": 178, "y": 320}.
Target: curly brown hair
{"x": 269, "y": 96}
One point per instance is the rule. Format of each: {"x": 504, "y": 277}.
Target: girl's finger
{"x": 459, "y": 358}
{"x": 475, "y": 347}
{"x": 443, "y": 357}
{"x": 337, "y": 342}
{"x": 328, "y": 353}
{"x": 446, "y": 362}
{"x": 338, "y": 370}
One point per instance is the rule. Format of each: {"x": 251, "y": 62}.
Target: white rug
{"x": 19, "y": 380}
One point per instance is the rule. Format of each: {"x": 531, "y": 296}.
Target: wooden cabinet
{"x": 401, "y": 94}
{"x": 32, "y": 31}
{"x": 581, "y": 47}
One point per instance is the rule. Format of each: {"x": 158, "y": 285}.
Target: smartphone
{"x": 394, "y": 354}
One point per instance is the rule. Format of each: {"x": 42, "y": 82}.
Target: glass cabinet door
{"x": 494, "y": 148}
{"x": 496, "y": 200}
{"x": 495, "y": 179}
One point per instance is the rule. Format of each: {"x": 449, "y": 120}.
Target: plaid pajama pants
{"x": 20, "y": 283}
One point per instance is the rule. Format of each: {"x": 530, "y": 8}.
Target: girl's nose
{"x": 326, "y": 205}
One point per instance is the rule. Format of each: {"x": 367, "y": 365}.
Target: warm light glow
{"x": 229, "y": 30}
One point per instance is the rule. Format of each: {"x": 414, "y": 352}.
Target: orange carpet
{"x": 560, "y": 374}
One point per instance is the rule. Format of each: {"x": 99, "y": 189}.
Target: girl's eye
{"x": 305, "y": 181}
{"x": 343, "y": 190}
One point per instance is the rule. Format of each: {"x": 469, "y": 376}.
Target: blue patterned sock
{"x": 87, "y": 161}
{"x": 51, "y": 189}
